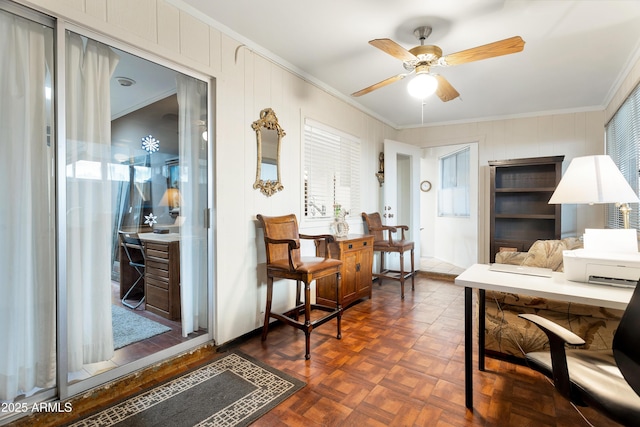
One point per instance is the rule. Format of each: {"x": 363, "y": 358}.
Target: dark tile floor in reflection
{"x": 151, "y": 345}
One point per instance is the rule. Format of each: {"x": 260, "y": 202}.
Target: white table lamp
{"x": 595, "y": 179}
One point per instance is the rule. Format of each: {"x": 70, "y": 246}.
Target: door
{"x": 401, "y": 194}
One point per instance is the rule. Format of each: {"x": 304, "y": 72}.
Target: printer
{"x": 602, "y": 267}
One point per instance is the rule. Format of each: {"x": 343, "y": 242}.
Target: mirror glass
{"x": 268, "y": 137}
{"x": 269, "y": 158}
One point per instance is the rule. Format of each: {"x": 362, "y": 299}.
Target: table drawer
{"x": 157, "y": 281}
{"x": 356, "y": 245}
{"x": 158, "y": 297}
{"x": 157, "y": 250}
{"x": 158, "y": 271}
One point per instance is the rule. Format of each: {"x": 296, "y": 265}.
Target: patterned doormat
{"x": 234, "y": 390}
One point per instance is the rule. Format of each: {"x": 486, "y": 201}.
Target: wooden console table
{"x": 162, "y": 274}
{"x": 356, "y": 254}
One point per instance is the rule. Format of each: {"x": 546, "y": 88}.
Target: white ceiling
{"x": 575, "y": 55}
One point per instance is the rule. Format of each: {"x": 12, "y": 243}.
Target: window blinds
{"x": 331, "y": 171}
{"x": 622, "y": 135}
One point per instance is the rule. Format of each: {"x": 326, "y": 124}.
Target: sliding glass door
{"x": 136, "y": 160}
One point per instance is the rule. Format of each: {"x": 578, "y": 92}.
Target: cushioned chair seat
{"x": 308, "y": 264}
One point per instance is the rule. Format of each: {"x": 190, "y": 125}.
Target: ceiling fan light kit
{"x": 419, "y": 59}
{"x": 422, "y": 85}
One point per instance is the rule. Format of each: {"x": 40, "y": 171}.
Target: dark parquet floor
{"x": 401, "y": 363}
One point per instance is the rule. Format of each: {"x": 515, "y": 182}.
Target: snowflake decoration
{"x": 150, "y": 219}
{"x": 150, "y": 144}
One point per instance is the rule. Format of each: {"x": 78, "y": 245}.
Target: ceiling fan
{"x": 421, "y": 58}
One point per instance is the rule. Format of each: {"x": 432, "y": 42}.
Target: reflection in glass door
{"x": 136, "y": 204}
{"x": 27, "y": 221}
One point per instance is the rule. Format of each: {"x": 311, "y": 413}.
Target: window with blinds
{"x": 331, "y": 171}
{"x": 622, "y": 135}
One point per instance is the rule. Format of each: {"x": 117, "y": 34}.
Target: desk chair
{"x": 132, "y": 247}
{"x": 282, "y": 244}
{"x": 386, "y": 243}
{"x": 608, "y": 380}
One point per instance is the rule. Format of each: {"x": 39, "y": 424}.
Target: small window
{"x": 331, "y": 171}
{"x": 453, "y": 194}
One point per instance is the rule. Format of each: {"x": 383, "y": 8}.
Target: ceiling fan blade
{"x": 445, "y": 91}
{"x": 499, "y": 48}
{"x": 393, "y": 49}
{"x": 379, "y": 85}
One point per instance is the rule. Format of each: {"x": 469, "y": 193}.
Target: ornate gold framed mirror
{"x": 269, "y": 135}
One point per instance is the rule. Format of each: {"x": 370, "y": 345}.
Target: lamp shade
{"x": 422, "y": 85}
{"x": 593, "y": 179}
{"x": 171, "y": 198}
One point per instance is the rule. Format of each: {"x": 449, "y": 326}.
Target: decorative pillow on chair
{"x": 548, "y": 253}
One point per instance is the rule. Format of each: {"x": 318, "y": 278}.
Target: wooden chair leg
{"x": 413, "y": 272}
{"x": 307, "y": 320}
{"x": 401, "y": 275}
{"x": 338, "y": 306}
{"x": 298, "y": 302}
{"x": 267, "y": 310}
{"x": 381, "y": 267}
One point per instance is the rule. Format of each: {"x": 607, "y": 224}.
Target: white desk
{"x": 159, "y": 237}
{"x": 555, "y": 287}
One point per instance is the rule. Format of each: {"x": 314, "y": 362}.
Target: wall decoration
{"x": 150, "y": 144}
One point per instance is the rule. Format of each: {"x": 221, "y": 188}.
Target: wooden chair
{"x": 607, "y": 380}
{"x": 384, "y": 242}
{"x": 282, "y": 244}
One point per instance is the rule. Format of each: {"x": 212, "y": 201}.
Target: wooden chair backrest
{"x": 374, "y": 224}
{"x": 280, "y": 227}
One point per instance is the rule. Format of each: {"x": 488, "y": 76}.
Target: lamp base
{"x": 625, "y": 210}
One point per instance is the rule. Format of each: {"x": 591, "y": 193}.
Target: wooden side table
{"x": 356, "y": 254}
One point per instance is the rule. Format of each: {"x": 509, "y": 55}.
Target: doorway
{"x": 449, "y": 243}
{"x": 401, "y": 194}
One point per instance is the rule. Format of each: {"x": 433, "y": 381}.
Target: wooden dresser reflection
{"x": 162, "y": 274}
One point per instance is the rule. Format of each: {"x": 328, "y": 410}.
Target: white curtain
{"x": 192, "y": 101}
{"x": 27, "y": 261}
{"x": 89, "y": 67}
